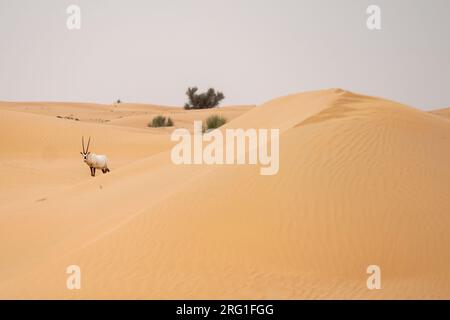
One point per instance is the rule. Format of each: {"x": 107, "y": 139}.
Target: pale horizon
{"x": 151, "y": 51}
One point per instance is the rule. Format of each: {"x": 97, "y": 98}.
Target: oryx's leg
{"x": 93, "y": 172}
{"x": 90, "y": 168}
{"x": 104, "y": 170}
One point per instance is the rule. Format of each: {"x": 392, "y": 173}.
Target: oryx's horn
{"x": 89, "y": 141}
{"x": 82, "y": 143}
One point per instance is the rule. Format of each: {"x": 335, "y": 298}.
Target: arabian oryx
{"x": 93, "y": 160}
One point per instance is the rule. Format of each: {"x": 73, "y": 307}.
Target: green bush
{"x": 205, "y": 100}
{"x": 215, "y": 121}
{"x": 160, "y": 121}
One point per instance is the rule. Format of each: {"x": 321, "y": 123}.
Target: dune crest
{"x": 442, "y": 112}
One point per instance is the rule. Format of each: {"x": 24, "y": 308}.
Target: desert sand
{"x": 362, "y": 181}
{"x": 442, "y": 112}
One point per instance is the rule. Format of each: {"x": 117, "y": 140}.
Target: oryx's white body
{"x": 94, "y": 161}
{"x": 97, "y": 161}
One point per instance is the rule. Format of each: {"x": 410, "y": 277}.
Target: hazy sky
{"x": 252, "y": 50}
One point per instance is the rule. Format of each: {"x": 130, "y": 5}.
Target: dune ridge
{"x": 362, "y": 181}
{"x": 442, "y": 112}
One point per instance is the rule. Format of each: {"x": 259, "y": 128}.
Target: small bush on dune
{"x": 215, "y": 121}
{"x": 205, "y": 100}
{"x": 160, "y": 121}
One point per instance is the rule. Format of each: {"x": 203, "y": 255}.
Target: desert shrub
{"x": 205, "y": 100}
{"x": 215, "y": 121}
{"x": 160, "y": 121}
{"x": 71, "y": 117}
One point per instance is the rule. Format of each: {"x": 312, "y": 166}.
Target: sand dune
{"x": 442, "y": 112}
{"x": 180, "y": 117}
{"x": 362, "y": 181}
{"x": 124, "y": 114}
